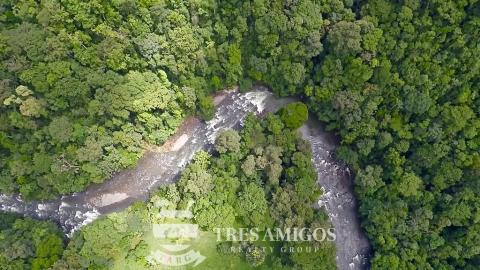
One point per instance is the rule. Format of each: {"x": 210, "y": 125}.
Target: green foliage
{"x": 252, "y": 205}
{"x": 90, "y": 84}
{"x": 255, "y": 256}
{"x": 294, "y": 114}
{"x": 206, "y": 108}
{"x": 220, "y": 195}
{"x": 227, "y": 141}
{"x": 319, "y": 259}
{"x": 407, "y": 124}
{"x": 28, "y": 244}
{"x": 85, "y": 85}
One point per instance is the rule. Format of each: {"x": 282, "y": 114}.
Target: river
{"x": 162, "y": 165}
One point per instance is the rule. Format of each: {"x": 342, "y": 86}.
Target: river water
{"x": 162, "y": 165}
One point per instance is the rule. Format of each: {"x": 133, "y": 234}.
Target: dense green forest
{"x": 86, "y": 86}
{"x": 407, "y": 108}
{"x": 262, "y": 177}
{"x": 28, "y": 244}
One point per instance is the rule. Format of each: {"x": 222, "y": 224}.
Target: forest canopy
{"x": 85, "y": 86}
{"x": 28, "y": 244}
{"x": 261, "y": 177}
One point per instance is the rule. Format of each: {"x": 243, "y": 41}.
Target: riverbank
{"x": 162, "y": 166}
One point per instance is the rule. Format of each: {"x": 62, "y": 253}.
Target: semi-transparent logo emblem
{"x": 175, "y": 238}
